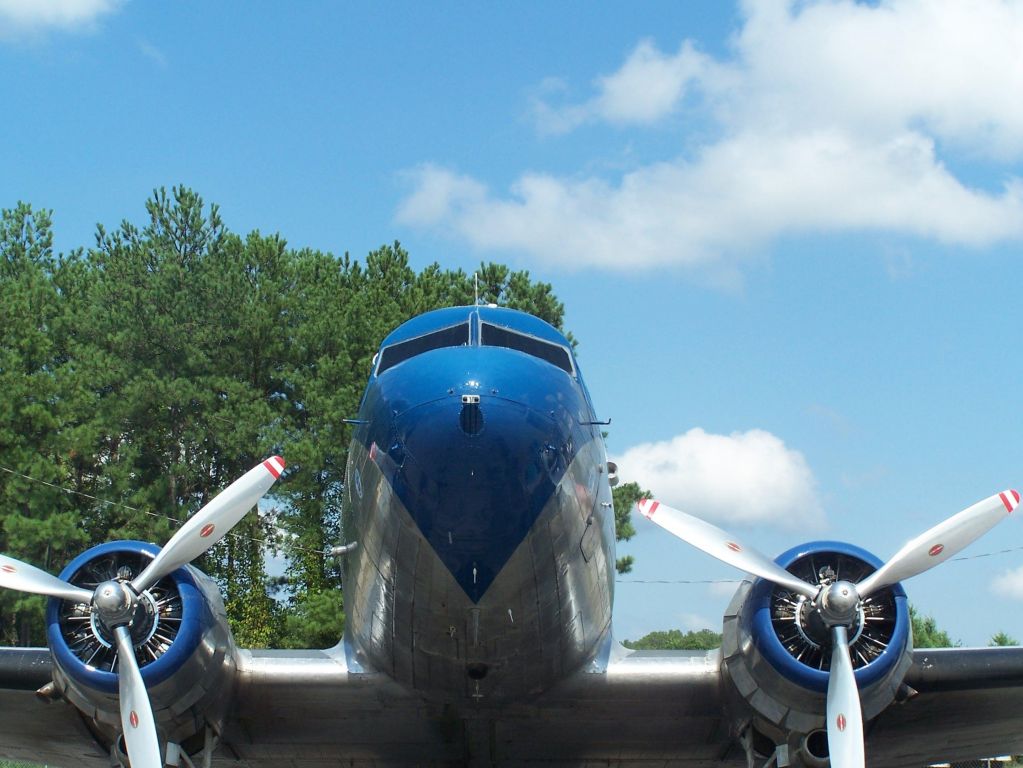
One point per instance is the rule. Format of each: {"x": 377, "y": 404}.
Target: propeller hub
{"x": 115, "y": 602}
{"x": 839, "y": 604}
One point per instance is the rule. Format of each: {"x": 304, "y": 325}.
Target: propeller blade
{"x": 845, "y": 718}
{"x": 137, "y": 720}
{"x": 938, "y": 544}
{"x": 211, "y": 523}
{"x": 23, "y": 577}
{"x": 719, "y": 544}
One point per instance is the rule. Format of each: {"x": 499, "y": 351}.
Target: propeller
{"x": 838, "y": 602}
{"x": 717, "y": 543}
{"x": 116, "y": 602}
{"x": 137, "y": 721}
{"x": 23, "y": 577}
{"x": 211, "y": 523}
{"x": 845, "y": 718}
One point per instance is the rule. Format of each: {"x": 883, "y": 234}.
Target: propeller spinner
{"x": 116, "y": 602}
{"x": 838, "y": 603}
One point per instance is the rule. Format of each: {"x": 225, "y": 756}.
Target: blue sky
{"x": 787, "y": 234}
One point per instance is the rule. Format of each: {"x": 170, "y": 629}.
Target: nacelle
{"x": 183, "y": 646}
{"x": 776, "y": 650}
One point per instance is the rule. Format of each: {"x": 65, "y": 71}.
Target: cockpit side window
{"x": 453, "y": 336}
{"x": 496, "y": 336}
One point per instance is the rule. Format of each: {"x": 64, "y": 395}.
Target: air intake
{"x": 471, "y": 417}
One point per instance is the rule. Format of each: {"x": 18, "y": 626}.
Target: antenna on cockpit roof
{"x": 476, "y": 286}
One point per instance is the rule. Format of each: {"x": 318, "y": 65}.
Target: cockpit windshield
{"x": 489, "y": 335}
{"x": 496, "y": 336}
{"x": 453, "y": 336}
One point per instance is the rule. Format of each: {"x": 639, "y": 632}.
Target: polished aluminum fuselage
{"x": 484, "y": 562}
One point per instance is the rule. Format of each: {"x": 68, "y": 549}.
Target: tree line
{"x": 143, "y": 373}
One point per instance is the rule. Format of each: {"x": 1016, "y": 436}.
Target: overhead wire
{"x": 174, "y": 520}
{"x": 266, "y": 542}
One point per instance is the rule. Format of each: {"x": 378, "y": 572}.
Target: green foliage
{"x": 1002, "y": 639}
{"x": 37, "y": 521}
{"x": 155, "y": 367}
{"x": 926, "y": 633}
{"x": 676, "y": 640}
{"x": 625, "y": 497}
{"x": 316, "y": 621}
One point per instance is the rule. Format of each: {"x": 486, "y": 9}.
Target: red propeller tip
{"x": 1010, "y": 499}
{"x": 647, "y": 507}
{"x": 274, "y": 465}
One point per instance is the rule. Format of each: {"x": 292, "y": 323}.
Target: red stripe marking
{"x": 206, "y": 530}
{"x": 133, "y": 719}
{"x": 936, "y": 550}
{"x": 733, "y": 546}
{"x": 651, "y": 507}
{"x": 1009, "y": 506}
{"x": 840, "y": 722}
{"x": 8, "y": 569}
{"x": 272, "y": 468}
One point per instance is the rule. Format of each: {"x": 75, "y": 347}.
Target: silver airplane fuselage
{"x": 478, "y": 499}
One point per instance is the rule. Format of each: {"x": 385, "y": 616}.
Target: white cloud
{"x": 648, "y": 87}
{"x": 737, "y": 195}
{"x": 151, "y": 52}
{"x": 946, "y": 65}
{"x": 438, "y": 192}
{"x": 738, "y": 479}
{"x": 831, "y": 117}
{"x": 26, "y": 17}
{"x": 1009, "y": 584}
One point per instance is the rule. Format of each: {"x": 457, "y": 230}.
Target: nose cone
{"x": 475, "y": 477}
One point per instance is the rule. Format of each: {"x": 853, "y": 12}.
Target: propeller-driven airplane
{"x": 479, "y": 581}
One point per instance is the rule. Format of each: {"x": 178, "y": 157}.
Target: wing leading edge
{"x": 307, "y": 708}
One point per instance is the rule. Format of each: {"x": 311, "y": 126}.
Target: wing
{"x": 313, "y": 707}
{"x": 965, "y": 704}
{"x": 35, "y": 728}
{"x": 632, "y": 706}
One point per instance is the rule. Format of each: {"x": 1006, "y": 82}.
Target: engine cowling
{"x": 183, "y": 646}
{"x": 776, "y": 651}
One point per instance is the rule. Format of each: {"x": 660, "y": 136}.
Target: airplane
{"x": 479, "y": 577}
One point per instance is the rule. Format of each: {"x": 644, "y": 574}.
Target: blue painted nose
{"x": 475, "y": 473}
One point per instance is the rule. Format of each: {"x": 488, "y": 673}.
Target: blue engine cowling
{"x": 776, "y": 654}
{"x": 184, "y": 647}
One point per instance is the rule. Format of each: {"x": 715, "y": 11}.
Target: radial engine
{"x": 777, "y": 650}
{"x": 182, "y": 644}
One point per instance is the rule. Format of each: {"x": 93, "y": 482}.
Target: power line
{"x": 174, "y": 520}
{"x": 961, "y": 558}
{"x": 241, "y": 536}
{"x": 678, "y": 581}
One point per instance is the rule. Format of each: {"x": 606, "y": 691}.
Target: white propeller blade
{"x": 938, "y": 544}
{"x": 211, "y": 523}
{"x": 23, "y": 577}
{"x": 137, "y": 721}
{"x": 721, "y": 545}
{"x": 845, "y": 718}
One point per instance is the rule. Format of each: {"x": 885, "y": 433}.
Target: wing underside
{"x": 311, "y": 708}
